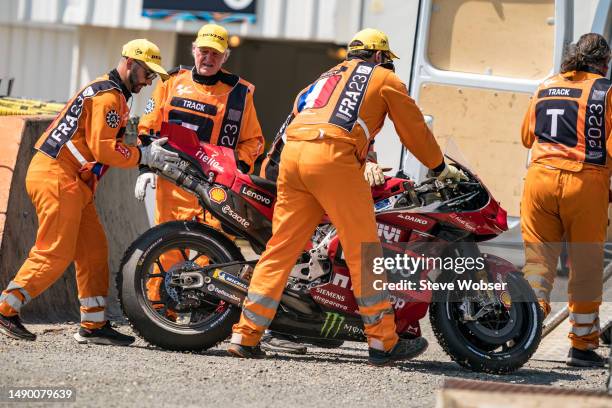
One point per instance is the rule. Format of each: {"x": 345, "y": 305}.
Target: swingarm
{"x": 197, "y": 284}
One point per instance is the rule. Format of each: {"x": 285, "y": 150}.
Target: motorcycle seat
{"x": 262, "y": 183}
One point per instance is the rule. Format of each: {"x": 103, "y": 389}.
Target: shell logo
{"x": 218, "y": 195}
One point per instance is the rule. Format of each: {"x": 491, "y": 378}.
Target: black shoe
{"x": 278, "y": 343}
{"x": 12, "y": 327}
{"x": 104, "y": 335}
{"x": 405, "y": 349}
{"x": 584, "y": 358}
{"x": 237, "y": 350}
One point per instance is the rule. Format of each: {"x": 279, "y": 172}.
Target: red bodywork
{"x": 394, "y": 227}
{"x": 217, "y": 160}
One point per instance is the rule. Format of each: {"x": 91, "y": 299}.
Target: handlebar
{"x": 452, "y": 194}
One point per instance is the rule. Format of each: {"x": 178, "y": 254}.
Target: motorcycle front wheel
{"x": 499, "y": 341}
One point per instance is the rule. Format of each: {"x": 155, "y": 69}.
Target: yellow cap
{"x": 147, "y": 52}
{"x": 212, "y": 36}
{"x": 371, "y": 39}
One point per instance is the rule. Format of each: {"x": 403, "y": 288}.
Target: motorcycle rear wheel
{"x": 461, "y": 341}
{"x": 153, "y": 320}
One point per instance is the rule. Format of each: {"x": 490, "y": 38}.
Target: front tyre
{"x": 148, "y": 300}
{"x": 498, "y": 342}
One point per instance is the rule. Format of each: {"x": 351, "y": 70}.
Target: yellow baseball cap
{"x": 212, "y": 36}
{"x": 371, "y": 39}
{"x": 147, "y": 52}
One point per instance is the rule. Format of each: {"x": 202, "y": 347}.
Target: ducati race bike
{"x": 198, "y": 295}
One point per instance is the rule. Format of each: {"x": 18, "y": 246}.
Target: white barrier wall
{"x": 323, "y": 20}
{"x": 53, "y": 62}
{"x": 40, "y": 60}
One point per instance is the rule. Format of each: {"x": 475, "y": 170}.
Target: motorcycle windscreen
{"x": 454, "y": 153}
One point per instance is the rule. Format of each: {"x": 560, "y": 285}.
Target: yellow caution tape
{"x": 14, "y": 106}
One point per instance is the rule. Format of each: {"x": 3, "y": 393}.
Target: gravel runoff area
{"x": 141, "y": 375}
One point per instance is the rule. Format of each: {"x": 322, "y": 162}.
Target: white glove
{"x": 155, "y": 156}
{"x": 373, "y": 174}
{"x": 141, "y": 184}
{"x": 451, "y": 172}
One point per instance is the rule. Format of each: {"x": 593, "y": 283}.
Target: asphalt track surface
{"x": 141, "y": 375}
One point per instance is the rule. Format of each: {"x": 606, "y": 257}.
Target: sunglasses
{"x": 149, "y": 75}
{"x": 386, "y": 57}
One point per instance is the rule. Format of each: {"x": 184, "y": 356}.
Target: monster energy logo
{"x": 333, "y": 323}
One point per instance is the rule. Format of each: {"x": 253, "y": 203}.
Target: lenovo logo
{"x": 256, "y": 195}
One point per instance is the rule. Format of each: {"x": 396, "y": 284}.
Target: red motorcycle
{"x": 494, "y": 326}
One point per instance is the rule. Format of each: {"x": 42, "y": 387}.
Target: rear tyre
{"x": 156, "y": 321}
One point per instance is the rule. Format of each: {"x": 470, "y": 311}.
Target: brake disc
{"x": 483, "y": 330}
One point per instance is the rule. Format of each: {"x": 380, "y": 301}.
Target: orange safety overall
{"x": 321, "y": 172}
{"x": 73, "y": 153}
{"x": 220, "y": 109}
{"x": 565, "y": 197}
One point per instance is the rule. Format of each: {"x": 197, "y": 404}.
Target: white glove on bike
{"x": 155, "y": 156}
{"x": 140, "y": 190}
{"x": 453, "y": 173}
{"x": 373, "y": 174}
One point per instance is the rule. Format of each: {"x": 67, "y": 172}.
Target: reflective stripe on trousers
{"x": 12, "y": 300}
{"x": 262, "y": 300}
{"x": 252, "y": 301}
{"x": 92, "y": 311}
{"x": 374, "y": 319}
{"x": 95, "y": 317}
{"x": 259, "y": 320}
{"x": 583, "y": 318}
{"x": 584, "y": 324}
{"x": 373, "y": 300}
{"x": 94, "y": 301}
{"x": 582, "y": 331}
